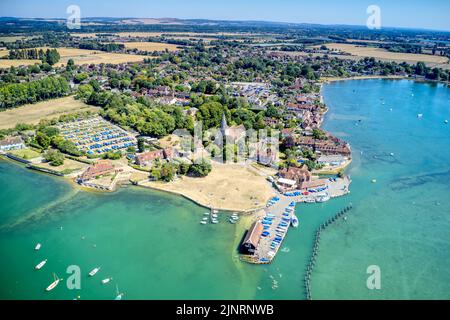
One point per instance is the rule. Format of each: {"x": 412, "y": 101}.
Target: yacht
{"x": 294, "y": 221}
{"x": 94, "y": 271}
{"x": 119, "y": 295}
{"x": 41, "y": 264}
{"x": 38, "y": 246}
{"x": 54, "y": 283}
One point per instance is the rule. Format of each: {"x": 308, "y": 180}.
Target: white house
{"x": 11, "y": 143}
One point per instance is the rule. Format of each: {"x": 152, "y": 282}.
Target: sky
{"x": 429, "y": 14}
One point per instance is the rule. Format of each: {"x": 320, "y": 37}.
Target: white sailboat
{"x": 54, "y": 283}
{"x": 94, "y": 271}
{"x": 294, "y": 221}
{"x": 107, "y": 280}
{"x": 119, "y": 295}
{"x": 41, "y": 264}
{"x": 37, "y": 247}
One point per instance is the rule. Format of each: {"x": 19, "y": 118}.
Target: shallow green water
{"x": 153, "y": 246}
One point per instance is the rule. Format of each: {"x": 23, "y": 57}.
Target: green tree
{"x": 54, "y": 157}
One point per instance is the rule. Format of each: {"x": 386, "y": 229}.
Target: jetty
{"x": 267, "y": 233}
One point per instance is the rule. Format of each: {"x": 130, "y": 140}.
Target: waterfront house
{"x": 147, "y": 158}
{"x": 301, "y": 176}
{"x": 251, "y": 240}
{"x": 11, "y": 143}
{"x": 100, "y": 168}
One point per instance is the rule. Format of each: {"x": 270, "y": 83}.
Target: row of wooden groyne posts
{"x": 315, "y": 249}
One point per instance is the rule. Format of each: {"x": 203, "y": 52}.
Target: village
{"x": 246, "y": 141}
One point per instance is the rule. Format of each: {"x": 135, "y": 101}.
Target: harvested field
{"x": 33, "y": 113}
{"x": 6, "y": 63}
{"x": 151, "y": 46}
{"x": 378, "y": 53}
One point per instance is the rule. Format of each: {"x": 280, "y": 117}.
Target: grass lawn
{"x": 26, "y": 154}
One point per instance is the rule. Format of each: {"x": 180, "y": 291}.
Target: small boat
{"x": 206, "y": 214}
{"x": 232, "y": 221}
{"x": 215, "y": 211}
{"x": 374, "y": 181}
{"x": 94, "y": 271}
{"x": 420, "y": 115}
{"x": 38, "y": 246}
{"x": 203, "y": 222}
{"x": 54, "y": 283}
{"x": 215, "y": 216}
{"x": 107, "y": 280}
{"x": 294, "y": 221}
{"x": 214, "y": 221}
{"x": 205, "y": 219}
{"x": 119, "y": 295}
{"x": 41, "y": 264}
{"x": 446, "y": 121}
{"x": 392, "y": 154}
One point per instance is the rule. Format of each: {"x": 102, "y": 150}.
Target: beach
{"x": 229, "y": 187}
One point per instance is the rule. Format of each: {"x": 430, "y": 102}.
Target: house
{"x": 98, "y": 169}
{"x": 251, "y": 240}
{"x": 147, "y": 158}
{"x": 11, "y": 143}
{"x": 332, "y": 160}
{"x": 301, "y": 176}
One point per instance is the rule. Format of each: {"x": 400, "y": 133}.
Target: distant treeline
{"x": 108, "y": 47}
{"x": 16, "y": 94}
{"x": 50, "y": 56}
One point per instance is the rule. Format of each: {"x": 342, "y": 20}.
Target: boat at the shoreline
{"x": 294, "y": 221}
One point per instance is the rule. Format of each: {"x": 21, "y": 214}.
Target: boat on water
{"x": 107, "y": 280}
{"x": 206, "y": 214}
{"x": 214, "y": 221}
{"x": 420, "y": 115}
{"x": 215, "y": 216}
{"x": 294, "y": 221}
{"x": 40, "y": 264}
{"x": 215, "y": 211}
{"x": 203, "y": 222}
{"x": 119, "y": 295}
{"x": 54, "y": 283}
{"x": 37, "y": 247}
{"x": 94, "y": 271}
{"x": 233, "y": 221}
{"x": 323, "y": 198}
{"x": 446, "y": 121}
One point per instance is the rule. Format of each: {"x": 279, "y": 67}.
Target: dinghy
{"x": 54, "y": 283}
{"x": 107, "y": 280}
{"x": 41, "y": 264}
{"x": 119, "y": 295}
{"x": 94, "y": 271}
{"x": 38, "y": 246}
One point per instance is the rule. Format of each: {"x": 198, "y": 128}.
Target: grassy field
{"x": 378, "y": 53}
{"x": 6, "y": 63}
{"x": 26, "y": 154}
{"x": 151, "y": 46}
{"x": 33, "y": 113}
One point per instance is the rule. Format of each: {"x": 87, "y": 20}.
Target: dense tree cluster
{"x": 16, "y": 94}
{"x": 50, "y": 56}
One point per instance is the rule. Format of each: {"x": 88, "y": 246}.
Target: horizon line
{"x": 231, "y": 20}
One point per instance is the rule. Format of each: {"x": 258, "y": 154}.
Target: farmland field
{"x": 79, "y": 56}
{"x": 33, "y": 113}
{"x": 151, "y": 46}
{"x": 378, "y": 53}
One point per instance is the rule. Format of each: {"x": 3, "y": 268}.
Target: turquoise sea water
{"x": 153, "y": 246}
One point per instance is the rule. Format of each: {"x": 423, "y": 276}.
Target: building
{"x": 98, "y": 169}
{"x": 11, "y": 143}
{"x": 251, "y": 240}
{"x": 332, "y": 160}
{"x": 147, "y": 158}
{"x": 301, "y": 176}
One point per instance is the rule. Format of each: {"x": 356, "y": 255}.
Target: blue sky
{"x": 430, "y": 14}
